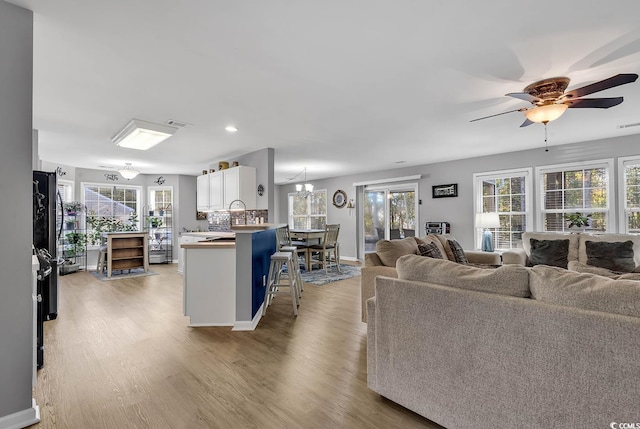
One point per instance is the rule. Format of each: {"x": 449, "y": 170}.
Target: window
{"x": 508, "y": 193}
{"x": 110, "y": 208}
{"x": 65, "y": 189}
{"x": 308, "y": 213}
{"x": 630, "y": 194}
{"x": 570, "y": 188}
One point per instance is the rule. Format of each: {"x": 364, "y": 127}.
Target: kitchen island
{"x": 224, "y": 281}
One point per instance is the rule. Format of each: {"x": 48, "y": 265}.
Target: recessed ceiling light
{"x": 231, "y": 128}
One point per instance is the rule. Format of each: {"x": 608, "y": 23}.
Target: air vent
{"x": 637, "y": 124}
{"x": 176, "y": 123}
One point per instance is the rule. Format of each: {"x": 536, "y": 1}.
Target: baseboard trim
{"x": 21, "y": 419}
{"x": 249, "y": 326}
{"x": 202, "y": 325}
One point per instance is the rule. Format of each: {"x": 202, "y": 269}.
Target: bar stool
{"x": 102, "y": 259}
{"x": 276, "y": 279}
{"x": 295, "y": 266}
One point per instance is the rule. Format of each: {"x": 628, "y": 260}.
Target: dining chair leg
{"x": 336, "y": 251}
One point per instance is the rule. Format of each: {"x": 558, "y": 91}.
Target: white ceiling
{"x": 338, "y": 86}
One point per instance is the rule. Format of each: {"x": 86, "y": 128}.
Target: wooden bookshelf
{"x": 127, "y": 250}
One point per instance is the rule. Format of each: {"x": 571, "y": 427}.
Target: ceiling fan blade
{"x": 599, "y": 103}
{"x": 498, "y": 114}
{"x": 617, "y": 80}
{"x": 524, "y": 96}
{"x": 526, "y": 123}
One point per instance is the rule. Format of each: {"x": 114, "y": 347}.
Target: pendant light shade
{"x": 128, "y": 172}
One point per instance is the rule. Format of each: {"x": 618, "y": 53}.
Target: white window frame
{"x": 309, "y": 216}
{"x": 391, "y": 188}
{"x": 139, "y": 200}
{"x": 623, "y": 162}
{"x": 67, "y": 190}
{"x": 478, "y": 178}
{"x": 607, "y": 163}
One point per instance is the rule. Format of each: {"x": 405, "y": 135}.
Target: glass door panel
{"x": 375, "y": 225}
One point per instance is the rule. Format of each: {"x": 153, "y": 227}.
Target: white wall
{"x": 459, "y": 211}
{"x": 16, "y": 228}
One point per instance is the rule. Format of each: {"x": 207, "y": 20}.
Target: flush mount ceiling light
{"x": 128, "y": 172}
{"x": 142, "y": 135}
{"x": 231, "y": 128}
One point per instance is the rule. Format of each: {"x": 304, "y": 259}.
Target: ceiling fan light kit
{"x": 546, "y": 113}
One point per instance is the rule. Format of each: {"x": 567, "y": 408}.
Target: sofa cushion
{"x": 583, "y": 268}
{"x": 430, "y": 250}
{"x": 574, "y": 240}
{"x": 390, "y": 250}
{"x": 433, "y": 238}
{"x": 549, "y": 252}
{"x": 615, "y": 256}
{"x": 444, "y": 240}
{"x": 512, "y": 280}
{"x": 458, "y": 252}
{"x": 586, "y": 291}
{"x": 611, "y": 238}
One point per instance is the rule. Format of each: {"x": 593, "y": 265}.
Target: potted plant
{"x": 154, "y": 222}
{"x": 577, "y": 220}
{"x": 72, "y": 208}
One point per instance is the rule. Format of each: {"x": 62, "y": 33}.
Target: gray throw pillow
{"x": 614, "y": 256}
{"x": 430, "y": 250}
{"x": 458, "y": 252}
{"x": 549, "y": 252}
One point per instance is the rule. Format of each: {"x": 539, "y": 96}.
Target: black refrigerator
{"x": 46, "y": 228}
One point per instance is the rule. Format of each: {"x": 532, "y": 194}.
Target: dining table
{"x": 309, "y": 237}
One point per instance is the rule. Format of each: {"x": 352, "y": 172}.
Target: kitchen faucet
{"x": 244, "y": 210}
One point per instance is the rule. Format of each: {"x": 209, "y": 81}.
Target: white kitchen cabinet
{"x": 202, "y": 192}
{"x": 215, "y": 191}
{"x": 240, "y": 184}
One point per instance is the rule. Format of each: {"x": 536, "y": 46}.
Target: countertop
{"x": 205, "y": 234}
{"x": 253, "y": 227}
{"x": 209, "y": 245}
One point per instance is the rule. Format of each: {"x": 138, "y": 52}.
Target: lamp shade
{"x": 487, "y": 220}
{"x": 128, "y": 172}
{"x": 546, "y": 113}
{"x": 142, "y": 135}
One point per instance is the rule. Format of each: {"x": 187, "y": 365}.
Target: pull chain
{"x": 546, "y": 146}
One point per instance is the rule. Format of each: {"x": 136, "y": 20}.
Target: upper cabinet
{"x": 217, "y": 190}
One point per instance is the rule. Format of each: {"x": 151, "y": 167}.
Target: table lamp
{"x": 486, "y": 221}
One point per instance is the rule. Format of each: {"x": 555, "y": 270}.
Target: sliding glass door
{"x": 389, "y": 213}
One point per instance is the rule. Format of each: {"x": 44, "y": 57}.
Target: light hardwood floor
{"x": 120, "y": 355}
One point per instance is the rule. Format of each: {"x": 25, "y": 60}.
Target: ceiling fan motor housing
{"x": 548, "y": 90}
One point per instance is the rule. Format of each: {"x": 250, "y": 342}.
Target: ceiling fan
{"x": 549, "y": 99}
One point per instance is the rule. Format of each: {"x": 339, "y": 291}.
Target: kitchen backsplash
{"x": 222, "y": 220}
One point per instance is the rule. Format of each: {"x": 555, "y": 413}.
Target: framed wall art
{"x": 445, "y": 191}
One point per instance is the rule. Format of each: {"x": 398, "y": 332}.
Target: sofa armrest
{"x": 367, "y": 283}
{"x": 371, "y": 342}
{"x": 515, "y": 256}
{"x": 480, "y": 257}
{"x": 372, "y": 260}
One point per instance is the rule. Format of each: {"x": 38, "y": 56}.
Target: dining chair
{"x": 283, "y": 238}
{"x": 328, "y": 246}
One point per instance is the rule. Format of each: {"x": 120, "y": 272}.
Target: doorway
{"x": 389, "y": 213}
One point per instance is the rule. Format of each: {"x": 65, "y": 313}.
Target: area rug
{"x": 319, "y": 277}
{"x": 124, "y": 274}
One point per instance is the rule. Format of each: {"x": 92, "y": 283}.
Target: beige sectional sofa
{"x": 540, "y": 347}
{"x": 382, "y": 262}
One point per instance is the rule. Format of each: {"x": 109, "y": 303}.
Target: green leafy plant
{"x": 577, "y": 219}
{"x": 101, "y": 224}
{"x": 73, "y": 207}
{"x": 154, "y": 222}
